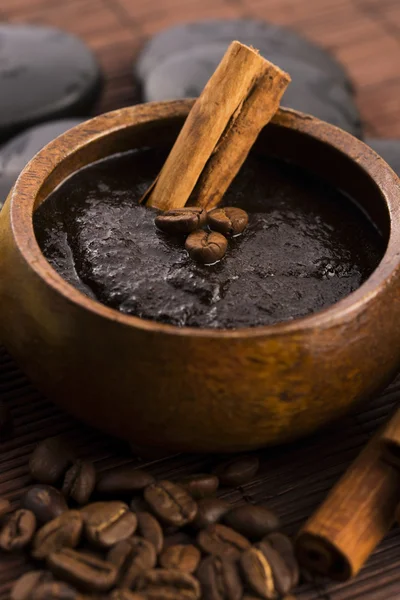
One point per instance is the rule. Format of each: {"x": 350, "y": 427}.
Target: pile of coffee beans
{"x": 122, "y": 535}
{"x": 205, "y": 246}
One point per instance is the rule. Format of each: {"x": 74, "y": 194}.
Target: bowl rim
{"x": 22, "y": 200}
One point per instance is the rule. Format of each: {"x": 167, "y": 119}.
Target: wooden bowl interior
{"x": 312, "y": 154}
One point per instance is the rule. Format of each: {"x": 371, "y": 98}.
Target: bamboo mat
{"x": 365, "y": 36}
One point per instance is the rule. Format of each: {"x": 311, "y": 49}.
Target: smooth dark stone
{"x": 16, "y": 153}
{"x": 389, "y": 150}
{"x": 313, "y": 90}
{"x": 273, "y": 39}
{"x": 45, "y": 74}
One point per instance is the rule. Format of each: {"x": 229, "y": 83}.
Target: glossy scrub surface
{"x": 306, "y": 246}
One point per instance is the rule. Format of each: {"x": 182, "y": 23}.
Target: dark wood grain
{"x": 293, "y": 480}
{"x": 365, "y": 35}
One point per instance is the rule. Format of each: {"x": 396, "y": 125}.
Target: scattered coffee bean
{"x": 252, "y": 521}
{"x": 24, "y": 587}
{"x": 18, "y": 530}
{"x": 150, "y": 529}
{"x": 206, "y": 248}
{"x": 220, "y": 540}
{"x": 107, "y": 523}
{"x": 171, "y": 503}
{"x": 55, "y": 590}
{"x": 123, "y": 480}
{"x": 80, "y": 481}
{"x": 258, "y": 573}
{"x": 132, "y": 557}
{"x": 281, "y": 572}
{"x": 176, "y": 581}
{"x": 229, "y": 221}
{"x": 4, "y": 507}
{"x": 283, "y": 545}
{"x": 44, "y": 501}
{"x": 182, "y": 557}
{"x": 50, "y": 460}
{"x": 181, "y": 220}
{"x": 238, "y": 470}
{"x": 83, "y": 570}
{"x": 210, "y": 511}
{"x": 200, "y": 486}
{"x": 6, "y": 420}
{"x": 219, "y": 579}
{"x": 124, "y": 594}
{"x": 63, "y": 532}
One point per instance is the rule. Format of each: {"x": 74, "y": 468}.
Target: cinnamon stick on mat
{"x": 358, "y": 512}
{"x": 391, "y": 440}
{"x": 240, "y": 98}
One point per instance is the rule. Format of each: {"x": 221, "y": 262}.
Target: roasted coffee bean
{"x": 220, "y": 540}
{"x": 283, "y": 545}
{"x": 80, "y": 481}
{"x": 62, "y": 532}
{"x": 258, "y": 573}
{"x": 177, "y": 581}
{"x": 219, "y": 578}
{"x": 171, "y": 503}
{"x": 181, "y": 220}
{"x": 280, "y": 570}
{"x": 206, "y": 248}
{"x": 238, "y": 470}
{"x": 182, "y": 557}
{"x": 123, "y": 480}
{"x": 6, "y": 420}
{"x": 24, "y": 587}
{"x": 132, "y": 557}
{"x": 18, "y": 530}
{"x": 83, "y": 570}
{"x": 229, "y": 220}
{"x": 107, "y": 523}
{"x": 4, "y": 507}
{"x": 50, "y": 460}
{"x": 44, "y": 501}
{"x": 125, "y": 594}
{"x": 150, "y": 529}
{"x": 252, "y": 521}
{"x": 200, "y": 486}
{"x": 55, "y": 590}
{"x": 210, "y": 511}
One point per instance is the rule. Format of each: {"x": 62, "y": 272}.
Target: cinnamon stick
{"x": 391, "y": 440}
{"x": 358, "y": 512}
{"x": 240, "y": 98}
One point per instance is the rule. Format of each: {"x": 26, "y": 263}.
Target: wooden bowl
{"x": 189, "y": 389}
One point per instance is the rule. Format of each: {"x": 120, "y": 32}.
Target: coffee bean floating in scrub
{"x": 206, "y": 248}
{"x": 229, "y": 221}
{"x": 172, "y": 548}
{"x": 181, "y": 220}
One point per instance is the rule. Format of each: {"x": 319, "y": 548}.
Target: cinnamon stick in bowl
{"x": 240, "y": 98}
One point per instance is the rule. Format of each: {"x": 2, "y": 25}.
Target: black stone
{"x": 321, "y": 93}
{"x": 16, "y": 153}
{"x": 44, "y": 74}
{"x": 389, "y": 150}
{"x": 272, "y": 38}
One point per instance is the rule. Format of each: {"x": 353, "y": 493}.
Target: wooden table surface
{"x": 365, "y": 35}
